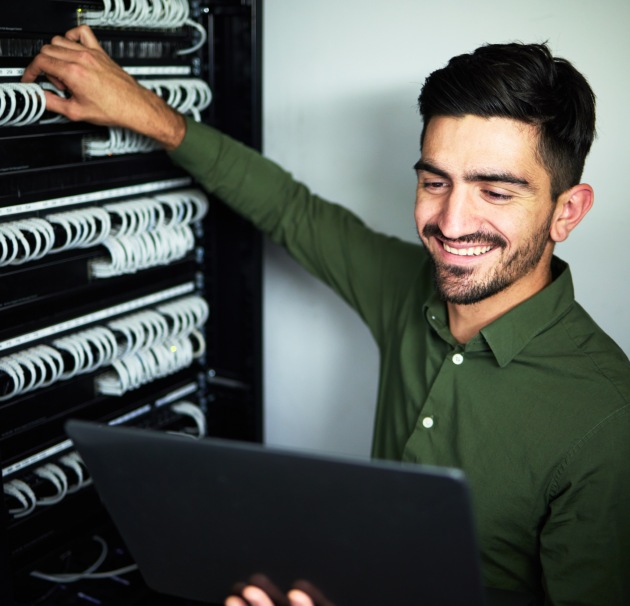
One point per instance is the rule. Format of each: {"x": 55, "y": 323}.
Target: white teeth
{"x": 473, "y": 251}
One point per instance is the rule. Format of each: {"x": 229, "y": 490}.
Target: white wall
{"x": 341, "y": 78}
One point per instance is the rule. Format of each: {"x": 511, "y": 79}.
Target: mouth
{"x": 463, "y": 250}
{"x": 468, "y": 251}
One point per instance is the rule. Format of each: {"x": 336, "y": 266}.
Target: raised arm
{"x": 100, "y": 91}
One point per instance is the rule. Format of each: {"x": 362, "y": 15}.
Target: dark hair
{"x": 523, "y": 82}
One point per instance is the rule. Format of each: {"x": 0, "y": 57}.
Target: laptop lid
{"x": 200, "y": 515}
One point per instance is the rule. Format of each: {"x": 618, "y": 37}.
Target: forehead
{"x": 473, "y": 143}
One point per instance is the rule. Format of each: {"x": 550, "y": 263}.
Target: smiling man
{"x": 486, "y": 213}
{"x": 487, "y": 362}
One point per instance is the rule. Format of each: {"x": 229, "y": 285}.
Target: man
{"x": 487, "y": 362}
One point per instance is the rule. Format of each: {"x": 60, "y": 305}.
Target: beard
{"x": 462, "y": 286}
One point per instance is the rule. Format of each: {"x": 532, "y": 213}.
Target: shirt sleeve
{"x": 372, "y": 272}
{"x": 585, "y": 542}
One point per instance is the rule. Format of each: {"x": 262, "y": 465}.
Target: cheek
{"x": 420, "y": 211}
{"x": 425, "y": 213}
{"x": 420, "y": 219}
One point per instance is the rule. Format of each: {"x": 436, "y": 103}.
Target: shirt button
{"x": 427, "y": 422}
{"x": 458, "y": 359}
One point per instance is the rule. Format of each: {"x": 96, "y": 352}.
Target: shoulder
{"x": 599, "y": 353}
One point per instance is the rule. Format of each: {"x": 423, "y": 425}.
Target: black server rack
{"x": 127, "y": 295}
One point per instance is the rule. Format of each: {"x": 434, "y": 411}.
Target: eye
{"x": 434, "y": 185}
{"x": 496, "y": 196}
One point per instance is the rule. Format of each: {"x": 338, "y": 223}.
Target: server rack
{"x": 167, "y": 338}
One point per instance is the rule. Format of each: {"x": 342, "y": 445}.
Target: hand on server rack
{"x": 100, "y": 91}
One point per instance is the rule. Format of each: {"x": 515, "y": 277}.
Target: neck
{"x": 465, "y": 321}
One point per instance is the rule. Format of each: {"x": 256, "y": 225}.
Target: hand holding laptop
{"x": 257, "y": 597}
{"x": 260, "y": 591}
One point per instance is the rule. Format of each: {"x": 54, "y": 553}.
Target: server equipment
{"x": 127, "y": 295}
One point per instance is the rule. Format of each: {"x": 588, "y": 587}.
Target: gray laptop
{"x": 199, "y": 516}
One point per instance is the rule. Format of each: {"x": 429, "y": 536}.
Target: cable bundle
{"x": 150, "y": 232}
{"x": 87, "y": 350}
{"x": 189, "y": 96}
{"x": 162, "y": 14}
{"x": 129, "y": 254}
{"x": 149, "y": 14}
{"x": 120, "y": 141}
{"x": 53, "y": 474}
{"x": 158, "y": 352}
{"x": 138, "y": 234}
{"x": 186, "y": 95}
{"x": 82, "y": 228}
{"x": 21, "y": 104}
{"x": 24, "y": 103}
{"x": 163, "y": 210}
{"x": 25, "y": 240}
{"x": 68, "y": 475}
{"x": 147, "y": 366}
{"x": 169, "y": 329}
{"x": 30, "y": 369}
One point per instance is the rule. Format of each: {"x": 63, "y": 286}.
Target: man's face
{"x": 484, "y": 208}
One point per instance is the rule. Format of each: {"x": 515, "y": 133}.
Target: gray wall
{"x": 340, "y": 82}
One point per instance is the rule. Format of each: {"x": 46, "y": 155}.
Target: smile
{"x": 471, "y": 251}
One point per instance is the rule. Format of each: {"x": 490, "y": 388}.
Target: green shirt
{"x": 534, "y": 409}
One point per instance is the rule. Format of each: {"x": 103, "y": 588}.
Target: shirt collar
{"x": 508, "y": 335}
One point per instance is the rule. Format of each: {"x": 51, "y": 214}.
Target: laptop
{"x": 199, "y": 516}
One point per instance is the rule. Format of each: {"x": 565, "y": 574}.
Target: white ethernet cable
{"x": 88, "y": 573}
{"x": 120, "y": 141}
{"x": 129, "y": 254}
{"x": 75, "y": 462}
{"x": 188, "y": 409}
{"x": 146, "y": 366}
{"x": 57, "y": 477}
{"x": 186, "y": 95}
{"x": 24, "y": 494}
{"x": 189, "y": 96}
{"x": 150, "y": 14}
{"x": 140, "y": 348}
{"x": 31, "y": 108}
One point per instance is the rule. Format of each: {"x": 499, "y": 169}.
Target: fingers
{"x": 43, "y": 64}
{"x": 303, "y": 594}
{"x": 100, "y": 91}
{"x": 51, "y": 61}
{"x": 305, "y": 589}
{"x": 84, "y": 35}
{"x": 275, "y": 594}
{"x": 55, "y": 103}
{"x": 63, "y": 42}
{"x": 53, "y": 57}
{"x": 256, "y": 596}
{"x": 58, "y": 84}
{"x": 32, "y": 71}
{"x": 299, "y": 598}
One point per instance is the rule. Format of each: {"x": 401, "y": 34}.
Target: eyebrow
{"x": 489, "y": 177}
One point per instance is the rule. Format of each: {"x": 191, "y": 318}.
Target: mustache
{"x": 432, "y": 230}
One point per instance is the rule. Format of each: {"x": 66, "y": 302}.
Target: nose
{"x": 457, "y": 214}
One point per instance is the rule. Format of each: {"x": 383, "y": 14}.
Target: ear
{"x": 571, "y": 208}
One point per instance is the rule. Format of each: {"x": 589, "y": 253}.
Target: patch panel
{"x": 127, "y": 295}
